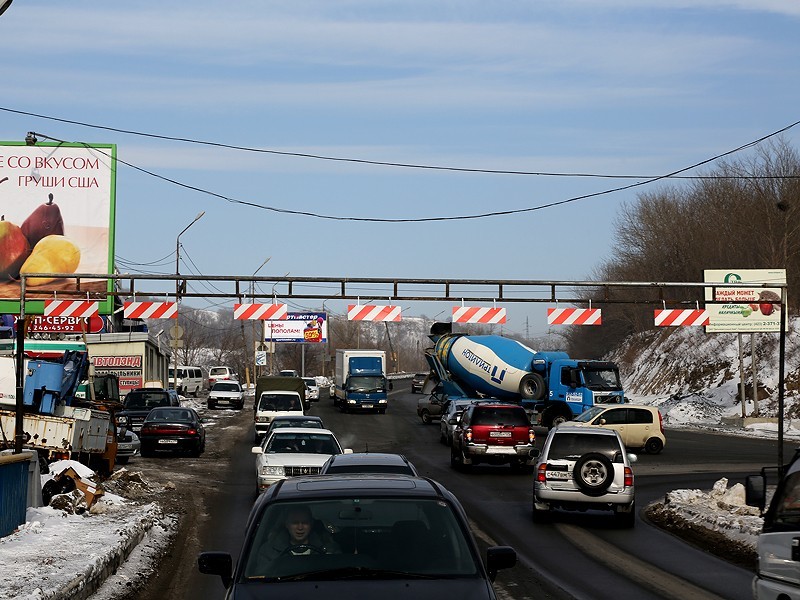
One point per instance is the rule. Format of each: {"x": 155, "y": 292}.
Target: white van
{"x": 216, "y": 374}
{"x": 190, "y": 380}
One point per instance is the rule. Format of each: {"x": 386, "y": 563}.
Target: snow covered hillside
{"x": 693, "y": 377}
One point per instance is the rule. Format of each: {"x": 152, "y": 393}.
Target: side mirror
{"x": 534, "y": 453}
{"x": 755, "y": 488}
{"x": 257, "y": 450}
{"x": 632, "y": 458}
{"x": 499, "y": 557}
{"x": 216, "y": 563}
{"x": 347, "y": 451}
{"x": 601, "y": 422}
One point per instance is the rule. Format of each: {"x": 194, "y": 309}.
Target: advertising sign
{"x": 307, "y": 328}
{"x": 744, "y": 309}
{"x": 58, "y": 203}
{"x": 42, "y": 324}
{"x": 127, "y": 368}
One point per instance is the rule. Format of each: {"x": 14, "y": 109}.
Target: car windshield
{"x": 169, "y": 415}
{"x": 501, "y": 416}
{"x": 366, "y": 384}
{"x": 310, "y": 382}
{"x": 278, "y": 402}
{"x": 601, "y": 379}
{"x": 218, "y": 371}
{"x": 225, "y": 387}
{"x": 787, "y": 505}
{"x": 360, "y": 538}
{"x": 572, "y": 446}
{"x": 142, "y": 400}
{"x": 306, "y": 443}
{"x": 587, "y": 415}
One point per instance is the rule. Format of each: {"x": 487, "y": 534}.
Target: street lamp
{"x": 178, "y": 298}
{"x": 253, "y": 323}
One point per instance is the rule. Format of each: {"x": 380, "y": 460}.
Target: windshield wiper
{"x": 352, "y": 573}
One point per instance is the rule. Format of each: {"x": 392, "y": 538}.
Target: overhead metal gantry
{"x": 391, "y": 289}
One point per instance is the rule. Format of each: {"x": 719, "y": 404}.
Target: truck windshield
{"x": 366, "y": 384}
{"x": 787, "y": 505}
{"x": 601, "y": 379}
{"x": 278, "y": 402}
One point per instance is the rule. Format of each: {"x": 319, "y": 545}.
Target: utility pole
{"x": 176, "y": 342}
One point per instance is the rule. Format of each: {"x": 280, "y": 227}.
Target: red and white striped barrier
{"x": 478, "y": 314}
{"x": 370, "y": 312}
{"x": 679, "y": 317}
{"x": 574, "y": 316}
{"x": 261, "y": 312}
{"x": 70, "y": 308}
{"x": 150, "y": 310}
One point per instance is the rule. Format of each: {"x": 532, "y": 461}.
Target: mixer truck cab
{"x": 551, "y": 386}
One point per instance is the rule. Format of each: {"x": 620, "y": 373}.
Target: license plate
{"x": 167, "y": 441}
{"x": 367, "y": 405}
{"x": 500, "y": 434}
{"x": 557, "y": 475}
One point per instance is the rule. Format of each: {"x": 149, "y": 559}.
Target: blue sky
{"x": 618, "y": 87}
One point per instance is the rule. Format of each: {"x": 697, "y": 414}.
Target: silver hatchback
{"x": 584, "y": 468}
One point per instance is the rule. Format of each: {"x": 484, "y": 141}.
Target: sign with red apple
{"x": 57, "y": 206}
{"x": 750, "y": 307}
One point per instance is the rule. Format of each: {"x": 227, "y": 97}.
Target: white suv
{"x": 582, "y": 468}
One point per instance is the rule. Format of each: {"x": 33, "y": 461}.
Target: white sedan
{"x": 291, "y": 451}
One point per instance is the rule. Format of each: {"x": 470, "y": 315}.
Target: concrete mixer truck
{"x": 552, "y": 386}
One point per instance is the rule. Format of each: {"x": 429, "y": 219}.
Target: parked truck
{"x": 361, "y": 382}
{"x": 552, "y": 386}
{"x": 56, "y": 422}
{"x": 778, "y": 573}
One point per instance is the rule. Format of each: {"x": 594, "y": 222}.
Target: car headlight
{"x": 262, "y": 419}
{"x": 273, "y": 470}
{"x": 384, "y": 401}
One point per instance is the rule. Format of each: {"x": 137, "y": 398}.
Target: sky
{"x": 613, "y": 88}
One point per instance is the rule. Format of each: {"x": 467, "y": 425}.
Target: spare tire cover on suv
{"x": 593, "y": 473}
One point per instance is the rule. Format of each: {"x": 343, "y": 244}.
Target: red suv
{"x": 495, "y": 433}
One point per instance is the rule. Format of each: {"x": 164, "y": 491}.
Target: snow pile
{"x": 721, "y": 509}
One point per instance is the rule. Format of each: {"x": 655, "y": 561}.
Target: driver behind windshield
{"x": 298, "y": 535}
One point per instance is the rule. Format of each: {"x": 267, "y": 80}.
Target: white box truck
{"x": 361, "y": 382}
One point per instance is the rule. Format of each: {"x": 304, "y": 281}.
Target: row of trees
{"x": 740, "y": 215}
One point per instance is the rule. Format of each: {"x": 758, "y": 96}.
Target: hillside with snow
{"x": 694, "y": 377}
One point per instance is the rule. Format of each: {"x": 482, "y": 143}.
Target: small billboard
{"x": 744, "y": 309}
{"x": 304, "y": 328}
{"x": 58, "y": 217}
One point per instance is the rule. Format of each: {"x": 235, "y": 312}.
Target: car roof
{"x": 574, "y": 428}
{"x": 347, "y": 485}
{"x": 314, "y": 430}
{"x": 372, "y": 458}
{"x": 296, "y": 418}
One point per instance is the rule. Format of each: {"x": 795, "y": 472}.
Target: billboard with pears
{"x": 57, "y": 206}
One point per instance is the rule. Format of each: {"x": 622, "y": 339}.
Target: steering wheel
{"x": 302, "y": 549}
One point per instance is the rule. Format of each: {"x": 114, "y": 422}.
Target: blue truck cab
{"x": 361, "y": 382}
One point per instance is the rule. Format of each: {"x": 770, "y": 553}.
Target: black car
{"x": 173, "y": 429}
{"x": 139, "y": 403}
{"x": 417, "y": 382}
{"x": 368, "y": 462}
{"x": 358, "y": 536}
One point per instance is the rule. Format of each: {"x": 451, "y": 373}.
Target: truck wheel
{"x": 559, "y": 419}
{"x": 593, "y": 473}
{"x": 531, "y": 387}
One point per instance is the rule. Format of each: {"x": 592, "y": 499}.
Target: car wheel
{"x": 455, "y": 459}
{"x": 539, "y": 515}
{"x": 653, "y": 446}
{"x": 593, "y": 473}
{"x": 425, "y": 416}
{"x": 122, "y": 460}
{"x": 626, "y": 519}
{"x": 558, "y": 420}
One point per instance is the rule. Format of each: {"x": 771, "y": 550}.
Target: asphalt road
{"x": 578, "y": 556}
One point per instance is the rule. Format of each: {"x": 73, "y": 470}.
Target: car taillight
{"x": 531, "y": 436}
{"x": 541, "y": 473}
{"x": 191, "y": 431}
{"x": 661, "y": 422}
{"x": 468, "y": 434}
{"x": 628, "y": 477}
